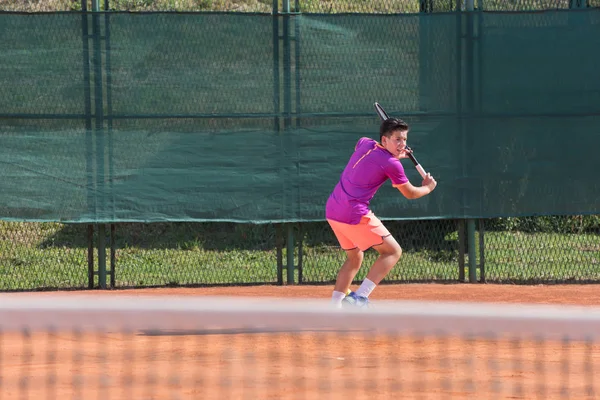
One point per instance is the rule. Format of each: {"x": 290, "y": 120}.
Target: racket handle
{"x": 421, "y": 170}
{"x": 417, "y": 165}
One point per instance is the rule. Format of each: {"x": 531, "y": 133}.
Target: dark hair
{"x": 391, "y": 125}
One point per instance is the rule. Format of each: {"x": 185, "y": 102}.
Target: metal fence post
{"x": 461, "y": 250}
{"x": 460, "y": 85}
{"x": 478, "y": 103}
{"x": 109, "y": 131}
{"x": 276, "y": 83}
{"x": 470, "y": 107}
{"x": 287, "y": 71}
{"x": 471, "y": 250}
{"x": 279, "y": 252}
{"x": 290, "y": 254}
{"x": 90, "y": 240}
{"x": 102, "y": 256}
{"x": 287, "y": 124}
{"x": 89, "y": 145}
{"x": 113, "y": 255}
{"x": 297, "y": 64}
{"x": 99, "y": 130}
{"x": 425, "y": 56}
{"x": 481, "y": 250}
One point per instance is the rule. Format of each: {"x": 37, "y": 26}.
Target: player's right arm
{"x": 414, "y": 192}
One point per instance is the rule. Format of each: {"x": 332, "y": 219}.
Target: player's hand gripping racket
{"x": 383, "y": 115}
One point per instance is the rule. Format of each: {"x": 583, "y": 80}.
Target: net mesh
{"x": 123, "y": 347}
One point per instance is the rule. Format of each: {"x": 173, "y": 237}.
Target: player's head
{"x": 391, "y": 125}
{"x": 393, "y": 134}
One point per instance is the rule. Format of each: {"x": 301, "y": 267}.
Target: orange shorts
{"x": 367, "y": 233}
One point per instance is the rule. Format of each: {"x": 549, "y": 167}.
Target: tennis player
{"x": 354, "y": 224}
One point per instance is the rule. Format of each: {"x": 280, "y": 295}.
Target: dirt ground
{"x": 534, "y": 294}
{"x": 309, "y": 365}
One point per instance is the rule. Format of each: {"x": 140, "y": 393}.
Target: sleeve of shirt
{"x": 395, "y": 171}
{"x": 362, "y": 141}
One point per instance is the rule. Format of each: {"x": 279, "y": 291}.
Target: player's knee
{"x": 398, "y": 253}
{"x": 394, "y": 252}
{"x": 356, "y": 256}
{"x": 360, "y": 255}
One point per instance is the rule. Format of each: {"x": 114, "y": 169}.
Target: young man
{"x": 355, "y": 226}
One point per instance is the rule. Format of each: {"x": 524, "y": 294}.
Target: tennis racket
{"x": 383, "y": 115}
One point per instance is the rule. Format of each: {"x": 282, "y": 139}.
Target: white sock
{"x": 337, "y": 297}
{"x": 366, "y": 288}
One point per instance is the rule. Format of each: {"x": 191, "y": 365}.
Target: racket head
{"x": 381, "y": 112}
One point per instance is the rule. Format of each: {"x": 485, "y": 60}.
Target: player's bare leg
{"x": 389, "y": 254}
{"x": 354, "y": 259}
{"x": 348, "y": 271}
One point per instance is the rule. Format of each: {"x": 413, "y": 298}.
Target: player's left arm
{"x": 412, "y": 192}
{"x": 395, "y": 171}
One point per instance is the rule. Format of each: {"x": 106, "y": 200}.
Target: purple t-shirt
{"x": 369, "y": 167}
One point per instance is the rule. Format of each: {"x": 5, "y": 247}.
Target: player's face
{"x": 396, "y": 143}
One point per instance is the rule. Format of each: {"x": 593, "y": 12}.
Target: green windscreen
{"x": 531, "y": 148}
{"x": 252, "y": 117}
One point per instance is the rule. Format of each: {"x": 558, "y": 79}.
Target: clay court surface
{"x": 537, "y": 294}
{"x": 305, "y": 365}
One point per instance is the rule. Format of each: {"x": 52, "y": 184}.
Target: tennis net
{"x": 122, "y": 347}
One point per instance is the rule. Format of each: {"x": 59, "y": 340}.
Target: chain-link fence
{"x": 303, "y": 6}
{"x": 76, "y": 256}
{"x": 541, "y": 249}
{"x": 516, "y": 250}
